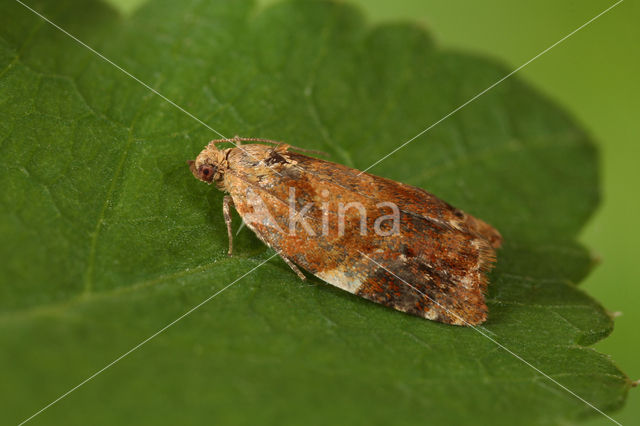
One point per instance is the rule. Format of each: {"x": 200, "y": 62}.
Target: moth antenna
{"x": 237, "y": 140}
{"x": 310, "y": 151}
{"x": 270, "y": 141}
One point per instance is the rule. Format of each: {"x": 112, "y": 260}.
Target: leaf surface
{"x": 107, "y": 237}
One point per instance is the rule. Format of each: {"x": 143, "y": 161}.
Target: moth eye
{"x": 207, "y": 172}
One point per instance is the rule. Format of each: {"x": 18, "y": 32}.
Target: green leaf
{"x": 107, "y": 237}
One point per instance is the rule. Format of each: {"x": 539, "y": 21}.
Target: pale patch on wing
{"x": 341, "y": 279}
{"x": 257, "y": 211}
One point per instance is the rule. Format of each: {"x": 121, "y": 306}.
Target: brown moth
{"x": 388, "y": 242}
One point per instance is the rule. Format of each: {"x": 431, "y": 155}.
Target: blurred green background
{"x": 594, "y": 74}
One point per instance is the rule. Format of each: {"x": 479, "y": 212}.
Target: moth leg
{"x": 238, "y": 140}
{"x": 227, "y": 202}
{"x": 294, "y": 267}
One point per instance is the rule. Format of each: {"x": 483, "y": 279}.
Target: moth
{"x": 388, "y": 242}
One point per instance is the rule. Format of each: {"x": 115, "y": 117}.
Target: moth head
{"x": 204, "y": 172}
{"x": 209, "y": 165}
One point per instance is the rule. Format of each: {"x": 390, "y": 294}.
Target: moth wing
{"x": 434, "y": 266}
{"x": 409, "y": 198}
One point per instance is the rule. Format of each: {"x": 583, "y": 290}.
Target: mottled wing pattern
{"x": 434, "y": 266}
